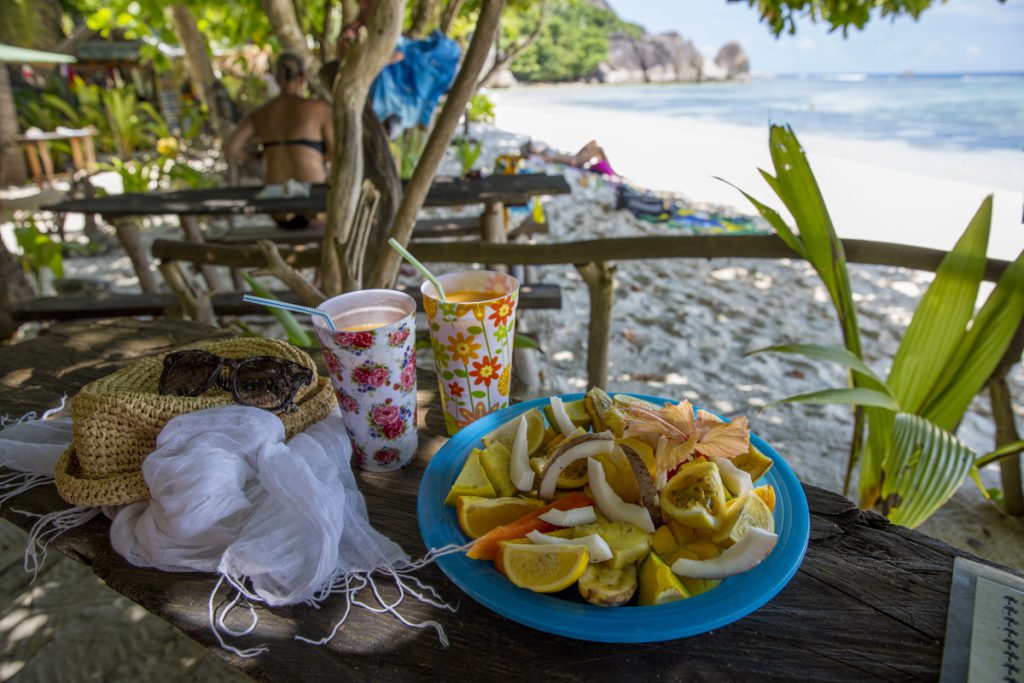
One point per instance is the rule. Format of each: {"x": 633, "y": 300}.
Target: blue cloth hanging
{"x": 410, "y": 89}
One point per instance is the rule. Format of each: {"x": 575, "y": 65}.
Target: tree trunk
{"x": 381, "y": 170}
{"x": 207, "y": 86}
{"x": 425, "y": 18}
{"x": 503, "y": 59}
{"x": 386, "y": 270}
{"x": 12, "y": 161}
{"x": 285, "y": 23}
{"x": 364, "y": 55}
{"x": 451, "y": 11}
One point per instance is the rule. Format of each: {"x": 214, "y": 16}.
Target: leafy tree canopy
{"x": 781, "y": 15}
{"x": 573, "y": 42}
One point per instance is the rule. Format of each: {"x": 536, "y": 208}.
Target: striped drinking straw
{"x": 295, "y": 308}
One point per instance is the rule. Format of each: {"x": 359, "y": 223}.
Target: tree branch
{"x": 424, "y": 18}
{"x": 365, "y": 47}
{"x": 451, "y": 11}
{"x": 386, "y": 269}
{"x": 290, "y": 277}
{"x": 503, "y": 59}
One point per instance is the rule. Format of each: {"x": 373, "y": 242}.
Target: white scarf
{"x": 283, "y": 523}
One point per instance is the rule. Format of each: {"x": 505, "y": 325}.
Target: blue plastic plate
{"x": 735, "y": 598}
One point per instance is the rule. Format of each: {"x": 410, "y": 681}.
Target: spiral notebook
{"x": 985, "y": 626}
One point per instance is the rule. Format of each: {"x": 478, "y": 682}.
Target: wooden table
{"x": 869, "y": 601}
{"x": 494, "y": 192}
{"x": 40, "y": 163}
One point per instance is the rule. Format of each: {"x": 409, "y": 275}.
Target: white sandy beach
{"x": 875, "y": 190}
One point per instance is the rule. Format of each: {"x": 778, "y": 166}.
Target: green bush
{"x": 572, "y": 43}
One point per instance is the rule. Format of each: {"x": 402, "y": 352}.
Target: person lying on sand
{"x": 591, "y": 157}
{"x": 296, "y": 134}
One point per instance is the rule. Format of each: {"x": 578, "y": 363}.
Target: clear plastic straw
{"x": 420, "y": 267}
{"x": 295, "y": 308}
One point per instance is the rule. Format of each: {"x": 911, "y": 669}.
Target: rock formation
{"x": 666, "y": 57}
{"x": 650, "y": 59}
{"x": 733, "y": 60}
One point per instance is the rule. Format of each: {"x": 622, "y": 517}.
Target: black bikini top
{"x": 318, "y": 145}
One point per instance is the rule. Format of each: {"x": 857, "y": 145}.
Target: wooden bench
{"x": 107, "y": 305}
{"x": 427, "y": 228}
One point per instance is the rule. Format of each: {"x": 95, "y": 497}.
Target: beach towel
{"x": 654, "y": 209}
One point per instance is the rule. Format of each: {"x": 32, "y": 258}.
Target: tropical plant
{"x": 468, "y": 155}
{"x": 297, "y": 335}
{"x": 480, "y": 109}
{"x": 911, "y": 463}
{"x": 409, "y": 149}
{"x": 38, "y": 252}
{"x": 572, "y": 42}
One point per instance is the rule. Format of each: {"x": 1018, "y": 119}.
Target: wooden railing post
{"x": 1006, "y": 426}
{"x": 600, "y": 279}
{"x": 128, "y": 235}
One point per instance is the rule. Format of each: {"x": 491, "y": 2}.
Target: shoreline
{"x": 877, "y": 190}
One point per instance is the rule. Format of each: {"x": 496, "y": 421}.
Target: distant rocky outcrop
{"x": 733, "y": 59}
{"x": 665, "y": 58}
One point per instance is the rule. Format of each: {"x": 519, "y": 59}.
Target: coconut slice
{"x": 519, "y": 469}
{"x": 573, "y": 517}
{"x": 613, "y": 507}
{"x": 746, "y": 554}
{"x": 644, "y": 482}
{"x": 736, "y": 480}
{"x": 597, "y": 547}
{"x": 584, "y": 446}
{"x": 565, "y": 424}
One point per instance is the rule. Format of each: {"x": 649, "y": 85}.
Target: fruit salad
{"x": 631, "y": 502}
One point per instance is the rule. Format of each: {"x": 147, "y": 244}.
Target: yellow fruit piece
{"x": 682, "y": 533}
{"x": 746, "y": 512}
{"x": 767, "y": 494}
{"x": 605, "y": 586}
{"x": 753, "y": 462}
{"x": 478, "y": 515}
{"x": 643, "y": 449}
{"x": 619, "y": 475}
{"x": 628, "y": 542}
{"x": 663, "y": 541}
{"x": 543, "y": 568}
{"x": 472, "y": 480}
{"x": 693, "y": 586}
{"x": 576, "y": 410}
{"x": 658, "y": 585}
{"x": 695, "y": 496}
{"x": 704, "y": 549}
{"x": 495, "y": 460}
{"x": 506, "y": 433}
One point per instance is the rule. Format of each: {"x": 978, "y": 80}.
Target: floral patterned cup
{"x": 471, "y": 335}
{"x": 372, "y": 363}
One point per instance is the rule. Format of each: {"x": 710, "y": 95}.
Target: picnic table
{"x": 40, "y": 162}
{"x": 869, "y": 601}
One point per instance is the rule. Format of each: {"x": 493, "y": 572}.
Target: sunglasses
{"x": 265, "y": 382}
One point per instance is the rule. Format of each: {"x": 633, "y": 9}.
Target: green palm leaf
{"x": 940, "y": 321}
{"x": 834, "y": 354}
{"x": 296, "y": 334}
{"x": 857, "y": 396}
{"x": 974, "y": 360}
{"x": 923, "y": 466}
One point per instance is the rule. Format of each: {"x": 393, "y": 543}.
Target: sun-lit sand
{"x": 875, "y": 190}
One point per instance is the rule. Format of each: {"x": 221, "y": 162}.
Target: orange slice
{"x": 478, "y": 515}
{"x": 544, "y": 568}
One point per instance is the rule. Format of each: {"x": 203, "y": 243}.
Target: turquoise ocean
{"x": 975, "y": 112}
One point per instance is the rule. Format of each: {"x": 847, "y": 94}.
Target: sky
{"x": 959, "y": 36}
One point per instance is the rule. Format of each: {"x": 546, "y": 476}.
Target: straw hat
{"x": 116, "y": 419}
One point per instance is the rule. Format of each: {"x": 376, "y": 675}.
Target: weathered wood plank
{"x": 597, "y": 250}
{"x": 868, "y": 603}
{"x": 532, "y": 297}
{"x": 227, "y": 201}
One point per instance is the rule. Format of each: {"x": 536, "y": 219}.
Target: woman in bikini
{"x": 295, "y": 134}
